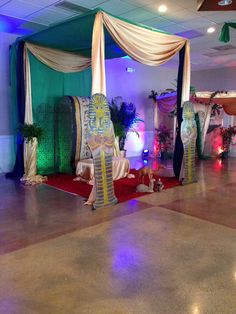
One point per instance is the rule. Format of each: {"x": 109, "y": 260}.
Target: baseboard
{"x": 7, "y": 153}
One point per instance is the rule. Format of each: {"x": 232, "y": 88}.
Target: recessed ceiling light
{"x": 211, "y": 30}
{"x": 225, "y": 2}
{"x": 162, "y": 8}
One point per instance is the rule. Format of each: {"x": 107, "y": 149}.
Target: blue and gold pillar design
{"x": 189, "y": 136}
{"x": 101, "y": 142}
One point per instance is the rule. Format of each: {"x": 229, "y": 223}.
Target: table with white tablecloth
{"x": 85, "y": 169}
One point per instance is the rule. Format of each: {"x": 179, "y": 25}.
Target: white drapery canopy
{"x": 142, "y": 44}
{"x": 145, "y": 45}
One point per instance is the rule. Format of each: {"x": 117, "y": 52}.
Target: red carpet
{"x": 125, "y": 189}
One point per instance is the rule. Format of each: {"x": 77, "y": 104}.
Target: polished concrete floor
{"x": 169, "y": 252}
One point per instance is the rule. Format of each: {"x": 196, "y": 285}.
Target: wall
{"x": 6, "y": 130}
{"x": 135, "y": 87}
{"x": 215, "y": 79}
{"x": 223, "y": 79}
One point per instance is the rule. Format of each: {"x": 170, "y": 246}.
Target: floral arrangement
{"x": 29, "y": 131}
{"x": 125, "y": 118}
{"x": 164, "y": 139}
{"x": 227, "y": 137}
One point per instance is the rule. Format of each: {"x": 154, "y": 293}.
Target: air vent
{"x": 66, "y": 5}
{"x": 224, "y": 47}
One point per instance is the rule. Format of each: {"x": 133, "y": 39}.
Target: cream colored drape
{"x": 59, "y": 60}
{"x": 142, "y": 44}
{"x": 62, "y": 61}
{"x": 98, "y": 57}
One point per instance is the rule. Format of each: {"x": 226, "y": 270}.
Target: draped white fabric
{"x": 28, "y": 97}
{"x": 85, "y": 169}
{"x": 98, "y": 57}
{"x": 59, "y": 60}
{"x": 143, "y": 45}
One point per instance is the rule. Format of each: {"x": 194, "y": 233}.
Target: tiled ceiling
{"x": 181, "y": 18}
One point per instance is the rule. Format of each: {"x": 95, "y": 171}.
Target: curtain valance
{"x": 143, "y": 45}
{"x": 226, "y": 100}
{"x": 167, "y": 103}
{"x": 59, "y": 60}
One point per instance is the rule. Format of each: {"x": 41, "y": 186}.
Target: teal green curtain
{"x": 48, "y": 86}
{"x": 225, "y": 35}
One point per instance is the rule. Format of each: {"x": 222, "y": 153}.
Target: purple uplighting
{"x": 126, "y": 258}
{"x": 13, "y": 25}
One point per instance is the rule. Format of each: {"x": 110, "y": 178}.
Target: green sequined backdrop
{"x": 48, "y": 86}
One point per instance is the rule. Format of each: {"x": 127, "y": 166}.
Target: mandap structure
{"x": 69, "y": 59}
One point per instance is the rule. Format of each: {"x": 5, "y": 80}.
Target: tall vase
{"x": 30, "y": 164}
{"x": 30, "y": 157}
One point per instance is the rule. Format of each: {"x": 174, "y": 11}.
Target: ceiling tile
{"x": 197, "y": 23}
{"x": 139, "y": 15}
{"x": 41, "y": 3}
{"x": 50, "y": 16}
{"x": 219, "y": 17}
{"x": 190, "y": 34}
{"x": 117, "y": 7}
{"x": 171, "y": 7}
{"x": 158, "y": 22}
{"x": 91, "y": 4}
{"x": 19, "y": 8}
{"x": 174, "y": 28}
{"x": 189, "y": 4}
{"x": 181, "y": 16}
{"x": 140, "y": 3}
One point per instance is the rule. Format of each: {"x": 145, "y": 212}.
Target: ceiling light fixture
{"x": 211, "y": 30}
{"x": 224, "y": 2}
{"x": 162, "y": 8}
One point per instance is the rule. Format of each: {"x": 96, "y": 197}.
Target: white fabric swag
{"x": 143, "y": 45}
{"x": 62, "y": 61}
{"x": 59, "y": 60}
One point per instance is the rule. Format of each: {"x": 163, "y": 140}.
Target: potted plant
{"x": 164, "y": 141}
{"x": 124, "y": 118}
{"x": 227, "y": 139}
{"x": 31, "y": 133}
